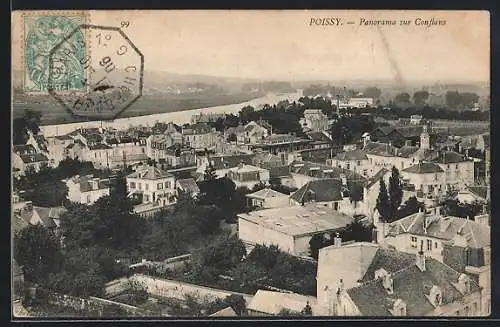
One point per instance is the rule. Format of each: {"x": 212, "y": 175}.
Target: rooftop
{"x": 446, "y": 228}
{"x": 273, "y": 302}
{"x": 380, "y": 149}
{"x": 321, "y": 190}
{"x": 188, "y": 185}
{"x": 351, "y": 155}
{"x": 150, "y": 173}
{"x": 299, "y": 220}
{"x": 411, "y": 285}
{"x": 424, "y": 168}
{"x": 86, "y": 181}
{"x": 265, "y": 194}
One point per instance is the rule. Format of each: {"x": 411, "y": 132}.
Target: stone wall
{"x": 178, "y": 290}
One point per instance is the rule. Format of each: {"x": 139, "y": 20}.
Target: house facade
{"x": 152, "y": 186}
{"x": 87, "y": 189}
{"x": 248, "y": 176}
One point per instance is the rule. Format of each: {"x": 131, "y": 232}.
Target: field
{"x": 53, "y": 113}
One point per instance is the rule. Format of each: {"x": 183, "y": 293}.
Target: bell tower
{"x": 425, "y": 142}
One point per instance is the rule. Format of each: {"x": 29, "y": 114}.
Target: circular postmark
{"x": 112, "y": 67}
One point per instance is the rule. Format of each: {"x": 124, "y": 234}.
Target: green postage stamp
{"x": 42, "y": 31}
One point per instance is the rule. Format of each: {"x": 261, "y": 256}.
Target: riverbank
{"x": 177, "y": 117}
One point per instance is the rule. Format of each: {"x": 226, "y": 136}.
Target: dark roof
{"x": 24, "y": 149}
{"x": 386, "y": 130}
{"x": 459, "y": 258}
{"x": 424, "y": 168}
{"x": 63, "y": 137}
{"x": 375, "y": 178}
{"x": 380, "y": 149}
{"x": 319, "y": 137}
{"x": 188, "y": 185}
{"x": 446, "y": 157}
{"x": 94, "y": 137}
{"x": 407, "y": 150}
{"x": 230, "y": 161}
{"x": 351, "y": 155}
{"x": 198, "y": 128}
{"x": 99, "y": 146}
{"x": 410, "y": 285}
{"x": 36, "y": 157}
{"x": 390, "y": 260}
{"x": 318, "y": 155}
{"x": 321, "y": 190}
{"x": 481, "y": 191}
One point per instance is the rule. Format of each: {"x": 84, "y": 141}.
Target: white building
{"x": 364, "y": 279}
{"x": 314, "y": 120}
{"x": 248, "y": 176}
{"x": 155, "y": 188}
{"x": 290, "y": 228}
{"x": 86, "y": 189}
{"x": 267, "y": 198}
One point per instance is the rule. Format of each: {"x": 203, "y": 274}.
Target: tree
{"x": 210, "y": 173}
{"x": 395, "y": 192}
{"x": 383, "y": 205}
{"x": 21, "y": 126}
{"x": 357, "y": 231}
{"x": 247, "y": 114}
{"x": 237, "y": 303}
{"x": 402, "y": 98}
{"x": 411, "y": 206}
{"x": 372, "y": 92}
{"x": 37, "y": 249}
{"x": 316, "y": 242}
{"x": 420, "y": 97}
{"x": 355, "y": 192}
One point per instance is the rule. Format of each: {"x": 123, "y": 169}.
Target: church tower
{"x": 425, "y": 142}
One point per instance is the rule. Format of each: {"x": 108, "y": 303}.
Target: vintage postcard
{"x": 170, "y": 164}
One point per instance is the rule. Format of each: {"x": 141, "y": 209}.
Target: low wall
{"x": 178, "y": 290}
{"x": 91, "y": 304}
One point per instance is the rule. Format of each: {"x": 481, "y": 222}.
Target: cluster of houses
{"x": 425, "y": 264}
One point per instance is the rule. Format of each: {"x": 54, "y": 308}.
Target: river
{"x": 177, "y": 117}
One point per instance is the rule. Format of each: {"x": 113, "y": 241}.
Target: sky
{"x": 281, "y": 45}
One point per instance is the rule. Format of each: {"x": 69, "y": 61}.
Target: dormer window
{"x": 435, "y": 296}
{"x": 398, "y": 308}
{"x": 463, "y": 284}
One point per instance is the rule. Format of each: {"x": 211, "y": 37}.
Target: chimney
{"x": 337, "y": 241}
{"x": 421, "y": 259}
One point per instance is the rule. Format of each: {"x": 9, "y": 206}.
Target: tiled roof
{"x": 480, "y": 191}
{"x": 273, "y": 302}
{"x": 424, "y": 168}
{"x": 390, "y": 260}
{"x": 446, "y": 228}
{"x": 36, "y": 157}
{"x": 188, "y": 185}
{"x": 266, "y": 193}
{"x": 299, "y": 220}
{"x": 321, "y": 190}
{"x": 375, "y": 178}
{"x": 446, "y": 157}
{"x": 319, "y": 137}
{"x": 198, "y": 128}
{"x": 24, "y": 149}
{"x": 151, "y": 173}
{"x": 318, "y": 155}
{"x": 410, "y": 285}
{"x": 63, "y": 137}
{"x": 380, "y": 149}
{"x": 261, "y": 158}
{"x": 351, "y": 155}
{"x": 230, "y": 161}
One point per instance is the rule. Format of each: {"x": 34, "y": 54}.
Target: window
{"x": 474, "y": 308}
{"x": 456, "y": 166}
{"x": 348, "y": 165}
{"x": 140, "y": 186}
{"x": 159, "y": 186}
{"x": 167, "y": 184}
{"x": 359, "y": 163}
{"x": 429, "y": 245}
{"x": 413, "y": 240}
{"x": 143, "y": 150}
{"x": 336, "y": 206}
{"x": 437, "y": 300}
{"x": 146, "y": 186}
{"x": 457, "y": 313}
{"x": 466, "y": 311}
{"x": 435, "y": 245}
{"x": 436, "y": 177}
{"x": 146, "y": 197}
{"x": 132, "y": 185}
{"x": 88, "y": 199}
